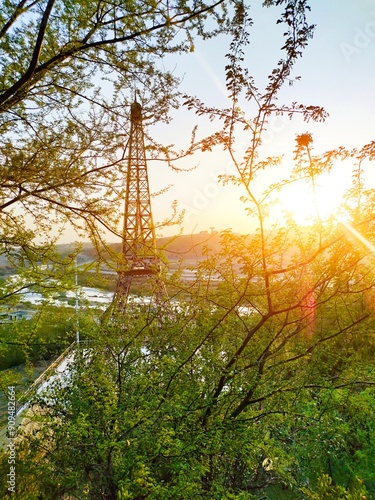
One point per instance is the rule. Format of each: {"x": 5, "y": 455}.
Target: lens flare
{"x": 359, "y": 236}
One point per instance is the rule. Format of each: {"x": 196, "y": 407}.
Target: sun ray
{"x": 359, "y": 236}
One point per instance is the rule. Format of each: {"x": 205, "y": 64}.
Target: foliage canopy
{"x": 260, "y": 385}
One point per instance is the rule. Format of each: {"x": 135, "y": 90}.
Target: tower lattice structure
{"x": 139, "y": 257}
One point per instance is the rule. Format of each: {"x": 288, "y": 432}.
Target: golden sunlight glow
{"x": 305, "y": 203}
{"x": 359, "y": 236}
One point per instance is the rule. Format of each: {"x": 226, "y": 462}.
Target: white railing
{"x": 41, "y": 381}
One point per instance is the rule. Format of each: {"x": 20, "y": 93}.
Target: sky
{"x": 337, "y": 72}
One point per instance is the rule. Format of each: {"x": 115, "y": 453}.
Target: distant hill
{"x": 188, "y": 247}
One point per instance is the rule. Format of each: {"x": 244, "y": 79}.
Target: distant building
{"x": 7, "y": 317}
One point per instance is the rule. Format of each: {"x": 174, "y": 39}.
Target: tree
{"x": 263, "y": 383}
{"x": 68, "y": 72}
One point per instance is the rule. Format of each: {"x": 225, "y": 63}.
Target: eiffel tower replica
{"x": 139, "y": 261}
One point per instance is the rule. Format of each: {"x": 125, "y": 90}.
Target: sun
{"x": 306, "y": 203}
